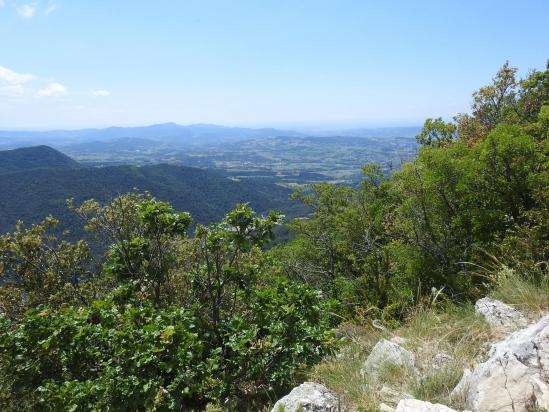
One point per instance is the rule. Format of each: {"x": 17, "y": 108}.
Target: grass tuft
{"x": 523, "y": 291}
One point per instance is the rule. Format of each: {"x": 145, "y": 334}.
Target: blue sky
{"x": 293, "y": 63}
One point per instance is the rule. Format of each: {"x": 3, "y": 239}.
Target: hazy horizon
{"x": 299, "y": 65}
{"x": 303, "y": 128}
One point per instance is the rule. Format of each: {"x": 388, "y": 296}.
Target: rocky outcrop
{"x": 500, "y": 314}
{"x": 413, "y": 405}
{"x": 513, "y": 377}
{"x": 386, "y": 352}
{"x": 308, "y": 397}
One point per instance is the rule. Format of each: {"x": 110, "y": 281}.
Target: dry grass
{"x": 342, "y": 373}
{"x": 454, "y": 330}
{"x": 526, "y": 293}
{"x": 430, "y": 329}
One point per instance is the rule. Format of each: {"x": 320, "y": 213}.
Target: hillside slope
{"x": 32, "y": 194}
{"x": 29, "y": 158}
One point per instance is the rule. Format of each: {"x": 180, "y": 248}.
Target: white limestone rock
{"x": 386, "y": 352}
{"x": 308, "y": 397}
{"x": 500, "y": 314}
{"x": 414, "y": 405}
{"x": 460, "y": 391}
{"x": 385, "y": 408}
{"x": 506, "y": 381}
{"x": 541, "y": 393}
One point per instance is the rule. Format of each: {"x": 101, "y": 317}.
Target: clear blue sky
{"x": 76, "y": 63}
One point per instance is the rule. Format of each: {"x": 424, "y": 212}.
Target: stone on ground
{"x": 308, "y": 397}
{"x": 385, "y": 408}
{"x": 541, "y": 393}
{"x": 460, "y": 391}
{"x": 388, "y": 353}
{"x": 500, "y": 314}
{"x": 441, "y": 360}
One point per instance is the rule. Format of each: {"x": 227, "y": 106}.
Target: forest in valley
{"x": 182, "y": 314}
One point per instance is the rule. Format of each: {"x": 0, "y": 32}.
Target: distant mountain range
{"x": 36, "y": 181}
{"x": 195, "y": 134}
{"x": 174, "y": 134}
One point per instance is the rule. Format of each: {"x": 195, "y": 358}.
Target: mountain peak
{"x": 35, "y": 157}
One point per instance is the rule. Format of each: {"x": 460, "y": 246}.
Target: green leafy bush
{"x": 134, "y": 357}
{"x": 287, "y": 327}
{"x": 124, "y": 358}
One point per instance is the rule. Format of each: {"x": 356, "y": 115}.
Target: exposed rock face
{"x": 513, "y": 377}
{"x": 413, "y": 405}
{"x": 541, "y": 393}
{"x": 310, "y": 397}
{"x": 500, "y": 314}
{"x": 386, "y": 352}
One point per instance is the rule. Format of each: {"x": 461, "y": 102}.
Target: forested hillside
{"x": 39, "y": 157}
{"x": 176, "y": 319}
{"x": 43, "y": 184}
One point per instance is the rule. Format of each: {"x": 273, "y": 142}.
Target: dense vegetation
{"x": 32, "y": 194}
{"x": 168, "y": 321}
{"x": 29, "y": 158}
{"x": 477, "y": 191}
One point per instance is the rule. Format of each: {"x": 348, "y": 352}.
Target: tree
{"x": 492, "y": 104}
{"x": 142, "y": 233}
{"x": 317, "y": 255}
{"x": 512, "y": 161}
{"x": 222, "y": 262}
{"x": 507, "y": 100}
{"x": 436, "y": 132}
{"x": 234, "y": 335}
{"x": 39, "y": 268}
